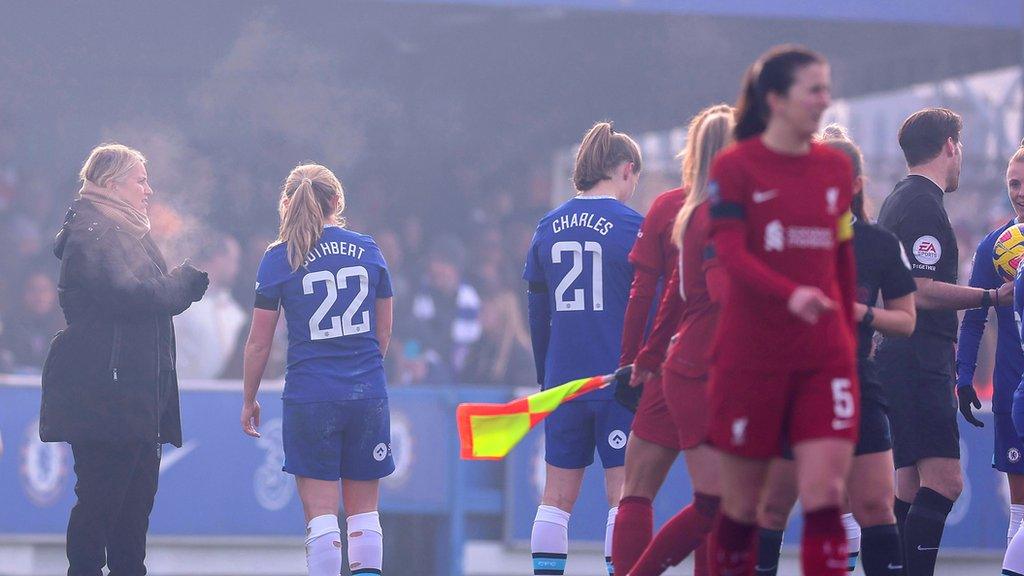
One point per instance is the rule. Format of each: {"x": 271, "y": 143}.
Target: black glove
{"x": 625, "y": 394}
{"x": 968, "y": 398}
{"x": 196, "y": 282}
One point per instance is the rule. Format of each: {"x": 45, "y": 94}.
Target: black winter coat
{"x": 109, "y": 376}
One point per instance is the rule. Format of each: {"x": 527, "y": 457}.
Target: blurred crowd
{"x": 456, "y": 269}
{"x": 459, "y": 300}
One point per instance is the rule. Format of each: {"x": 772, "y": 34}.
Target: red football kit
{"x": 778, "y": 222}
{"x": 653, "y": 257}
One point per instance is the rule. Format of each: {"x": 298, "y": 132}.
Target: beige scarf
{"x": 122, "y": 213}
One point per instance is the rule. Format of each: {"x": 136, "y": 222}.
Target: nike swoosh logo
{"x": 895, "y": 567}
{"x": 177, "y": 455}
{"x": 760, "y": 197}
{"x": 923, "y": 549}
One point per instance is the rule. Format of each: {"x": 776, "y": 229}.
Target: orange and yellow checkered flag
{"x": 490, "y": 431}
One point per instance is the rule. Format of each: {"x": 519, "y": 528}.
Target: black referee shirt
{"x": 915, "y": 214}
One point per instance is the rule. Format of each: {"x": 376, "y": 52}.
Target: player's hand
{"x": 251, "y": 418}
{"x": 1004, "y": 294}
{"x": 967, "y": 397}
{"x": 809, "y": 303}
{"x": 640, "y": 376}
{"x": 859, "y": 310}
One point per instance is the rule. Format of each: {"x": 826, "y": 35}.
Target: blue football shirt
{"x": 581, "y": 252}
{"x": 330, "y": 310}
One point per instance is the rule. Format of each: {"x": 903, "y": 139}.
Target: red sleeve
{"x": 714, "y": 277}
{"x": 648, "y": 250}
{"x": 846, "y": 275}
{"x": 729, "y": 233}
{"x": 665, "y": 324}
{"x": 641, "y": 294}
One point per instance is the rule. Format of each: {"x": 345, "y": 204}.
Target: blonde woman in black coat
{"x": 109, "y": 386}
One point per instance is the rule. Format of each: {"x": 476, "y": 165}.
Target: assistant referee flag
{"x": 490, "y": 431}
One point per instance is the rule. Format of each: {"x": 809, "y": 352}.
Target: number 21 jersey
{"x": 330, "y": 309}
{"x": 581, "y": 252}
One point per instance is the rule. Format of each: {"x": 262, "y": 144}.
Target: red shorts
{"x": 653, "y": 421}
{"x": 753, "y": 411}
{"x": 687, "y": 399}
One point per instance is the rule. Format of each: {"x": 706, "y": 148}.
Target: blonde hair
{"x": 709, "y": 132}
{"x": 307, "y": 198}
{"x": 109, "y": 162}
{"x": 838, "y": 137}
{"x": 601, "y": 150}
{"x": 1018, "y": 154}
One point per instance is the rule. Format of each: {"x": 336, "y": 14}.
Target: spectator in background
{"x": 209, "y": 332}
{"x": 503, "y": 354}
{"x": 446, "y": 310}
{"x": 29, "y": 326}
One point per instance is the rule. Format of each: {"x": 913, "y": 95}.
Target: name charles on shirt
{"x": 582, "y": 220}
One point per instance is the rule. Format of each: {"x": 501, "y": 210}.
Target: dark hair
{"x": 836, "y": 136}
{"x": 602, "y": 150}
{"x": 774, "y": 71}
{"x": 923, "y": 135}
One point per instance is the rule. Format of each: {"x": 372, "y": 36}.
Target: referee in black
{"x": 918, "y": 372}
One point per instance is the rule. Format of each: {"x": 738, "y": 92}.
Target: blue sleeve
{"x": 270, "y": 276}
{"x": 539, "y": 311}
{"x": 983, "y": 275}
{"x": 534, "y": 270}
{"x": 383, "y": 289}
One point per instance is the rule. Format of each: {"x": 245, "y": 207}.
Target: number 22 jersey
{"x": 330, "y": 309}
{"x": 580, "y": 251}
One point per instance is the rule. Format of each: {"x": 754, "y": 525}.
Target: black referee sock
{"x": 880, "y": 551}
{"x": 769, "y": 548}
{"x": 923, "y": 531}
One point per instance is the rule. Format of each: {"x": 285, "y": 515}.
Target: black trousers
{"x": 115, "y": 489}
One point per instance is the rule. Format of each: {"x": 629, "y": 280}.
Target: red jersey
{"x": 653, "y": 256}
{"x": 778, "y": 222}
{"x": 702, "y": 281}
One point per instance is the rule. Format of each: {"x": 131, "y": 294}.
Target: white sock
{"x": 365, "y": 543}
{"x": 1016, "y": 515}
{"x": 1013, "y": 560}
{"x": 609, "y": 528}
{"x": 323, "y": 546}
{"x": 549, "y": 541}
{"x": 852, "y": 539}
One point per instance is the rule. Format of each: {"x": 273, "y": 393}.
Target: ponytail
{"x": 306, "y": 202}
{"x": 774, "y": 71}
{"x": 600, "y": 152}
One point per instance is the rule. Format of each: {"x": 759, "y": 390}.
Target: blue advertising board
{"x": 221, "y": 482}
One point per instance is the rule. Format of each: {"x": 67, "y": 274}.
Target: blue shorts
{"x": 348, "y": 439}
{"x": 574, "y": 429}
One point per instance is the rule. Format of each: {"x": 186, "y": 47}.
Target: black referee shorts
{"x": 918, "y": 379}
{"x": 874, "y": 420}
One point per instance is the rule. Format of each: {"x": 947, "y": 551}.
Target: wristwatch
{"x": 986, "y": 298}
{"x": 869, "y": 317}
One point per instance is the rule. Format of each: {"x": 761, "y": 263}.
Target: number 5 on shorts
{"x": 842, "y": 398}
